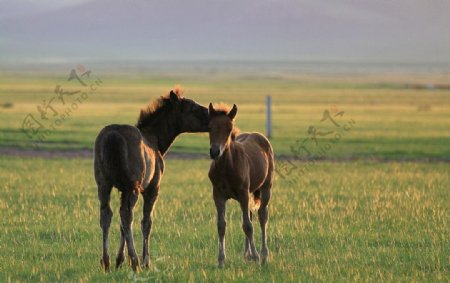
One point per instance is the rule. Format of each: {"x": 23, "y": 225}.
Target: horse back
{"x": 259, "y": 153}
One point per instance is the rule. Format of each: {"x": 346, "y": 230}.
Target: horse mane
{"x": 223, "y": 109}
{"x": 234, "y": 133}
{"x": 155, "y": 108}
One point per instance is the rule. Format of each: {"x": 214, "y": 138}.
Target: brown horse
{"x": 131, "y": 159}
{"x": 242, "y": 169}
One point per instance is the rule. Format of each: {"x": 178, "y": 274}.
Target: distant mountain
{"x": 221, "y": 29}
{"x": 16, "y": 8}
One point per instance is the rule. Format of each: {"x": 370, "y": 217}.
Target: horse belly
{"x": 149, "y": 171}
{"x": 259, "y": 167}
{"x": 258, "y": 174}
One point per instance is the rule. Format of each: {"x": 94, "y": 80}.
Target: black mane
{"x": 154, "y": 110}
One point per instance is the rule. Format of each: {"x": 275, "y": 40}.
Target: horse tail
{"x": 115, "y": 162}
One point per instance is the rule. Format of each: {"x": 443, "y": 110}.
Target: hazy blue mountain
{"x": 218, "y": 29}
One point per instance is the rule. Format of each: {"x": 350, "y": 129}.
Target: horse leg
{"x": 127, "y": 202}
{"x": 104, "y": 196}
{"x": 220, "y": 203}
{"x": 120, "y": 257}
{"x": 248, "y": 228}
{"x": 263, "y": 215}
{"x": 247, "y": 252}
{"x": 150, "y": 195}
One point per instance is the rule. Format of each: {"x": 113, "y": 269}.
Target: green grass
{"x": 388, "y": 123}
{"x": 338, "y": 222}
{"x": 329, "y": 221}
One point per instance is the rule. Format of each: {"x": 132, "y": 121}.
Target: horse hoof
{"x": 105, "y": 264}
{"x": 255, "y": 257}
{"x": 119, "y": 261}
{"x": 135, "y": 264}
{"x": 146, "y": 262}
{"x": 248, "y": 256}
{"x": 264, "y": 257}
{"x": 221, "y": 264}
{"x": 264, "y": 260}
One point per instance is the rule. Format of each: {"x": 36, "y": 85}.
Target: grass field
{"x": 391, "y": 121}
{"x": 341, "y": 222}
{"x": 375, "y": 209}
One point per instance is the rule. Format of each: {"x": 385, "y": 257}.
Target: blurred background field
{"x": 396, "y": 116}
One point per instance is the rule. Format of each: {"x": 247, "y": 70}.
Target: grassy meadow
{"x": 359, "y": 221}
{"x": 376, "y": 208}
{"x": 391, "y": 121}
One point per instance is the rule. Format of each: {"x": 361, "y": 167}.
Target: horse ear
{"x": 233, "y": 112}
{"x": 211, "y": 109}
{"x": 174, "y": 98}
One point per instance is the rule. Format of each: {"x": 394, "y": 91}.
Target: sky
{"x": 288, "y": 30}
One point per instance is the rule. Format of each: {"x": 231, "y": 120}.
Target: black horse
{"x": 131, "y": 159}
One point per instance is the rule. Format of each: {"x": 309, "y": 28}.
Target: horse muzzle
{"x": 214, "y": 152}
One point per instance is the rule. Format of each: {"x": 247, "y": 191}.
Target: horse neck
{"x": 161, "y": 134}
{"x": 227, "y": 155}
